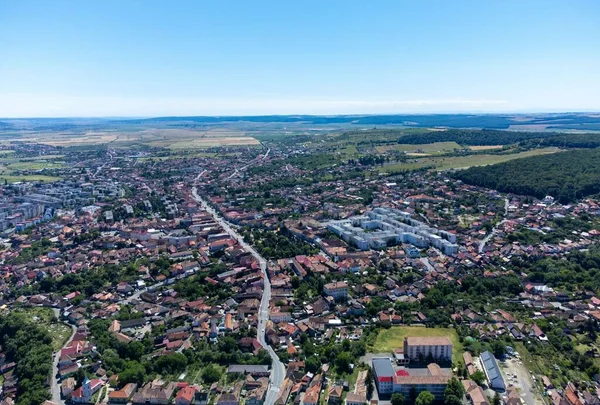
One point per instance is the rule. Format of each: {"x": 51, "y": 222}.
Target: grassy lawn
{"x": 463, "y": 162}
{"x": 43, "y": 316}
{"x": 393, "y": 338}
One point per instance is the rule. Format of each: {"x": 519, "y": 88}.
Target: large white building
{"x": 381, "y": 226}
{"x": 388, "y": 381}
{"x": 336, "y": 289}
{"x": 422, "y": 348}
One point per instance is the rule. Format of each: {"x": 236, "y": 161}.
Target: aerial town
{"x": 289, "y": 271}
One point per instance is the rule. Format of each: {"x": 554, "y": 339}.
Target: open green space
{"x": 390, "y": 339}
{"x": 179, "y": 156}
{"x": 45, "y": 317}
{"x": 9, "y": 160}
{"x": 429, "y": 148}
{"x": 33, "y": 165}
{"x": 461, "y": 162}
{"x": 15, "y": 179}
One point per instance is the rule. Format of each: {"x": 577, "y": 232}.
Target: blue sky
{"x": 148, "y": 58}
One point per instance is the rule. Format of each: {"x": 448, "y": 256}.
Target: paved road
{"x": 54, "y": 385}
{"x": 236, "y": 171}
{"x": 427, "y": 263}
{"x": 495, "y": 229}
{"x": 523, "y": 382}
{"x": 277, "y": 367}
{"x": 136, "y": 295}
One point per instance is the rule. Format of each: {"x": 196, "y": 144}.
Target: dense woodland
{"x": 494, "y": 137}
{"x": 30, "y": 346}
{"x": 566, "y": 176}
{"x": 277, "y": 245}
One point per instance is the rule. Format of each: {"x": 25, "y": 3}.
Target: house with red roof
{"x": 185, "y": 396}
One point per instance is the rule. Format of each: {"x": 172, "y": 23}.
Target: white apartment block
{"x": 420, "y": 348}
{"x": 380, "y": 226}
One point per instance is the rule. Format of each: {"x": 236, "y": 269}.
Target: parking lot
{"x": 516, "y": 374}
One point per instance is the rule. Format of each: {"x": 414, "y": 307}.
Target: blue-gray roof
{"x": 489, "y": 362}
{"x": 383, "y": 367}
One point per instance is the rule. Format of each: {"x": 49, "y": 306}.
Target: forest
{"x": 580, "y": 271}
{"x": 496, "y": 137}
{"x": 30, "y": 346}
{"x": 277, "y": 245}
{"x": 566, "y": 176}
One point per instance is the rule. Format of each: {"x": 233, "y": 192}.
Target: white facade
{"x": 380, "y": 226}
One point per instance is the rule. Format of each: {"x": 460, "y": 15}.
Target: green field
{"x": 15, "y": 179}
{"x": 463, "y": 162}
{"x": 9, "y": 160}
{"x": 390, "y": 339}
{"x": 33, "y": 165}
{"x": 179, "y": 156}
{"x": 429, "y": 148}
{"x": 44, "y": 316}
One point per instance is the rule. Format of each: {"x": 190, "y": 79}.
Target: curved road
{"x": 277, "y": 367}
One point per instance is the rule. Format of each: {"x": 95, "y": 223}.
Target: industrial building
{"x": 492, "y": 371}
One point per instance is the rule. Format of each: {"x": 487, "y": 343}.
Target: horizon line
{"x": 132, "y": 117}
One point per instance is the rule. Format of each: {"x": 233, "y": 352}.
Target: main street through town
{"x": 277, "y": 367}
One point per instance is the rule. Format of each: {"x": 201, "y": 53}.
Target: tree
{"x": 425, "y": 398}
{"x": 498, "y": 348}
{"x": 478, "y": 377}
{"x": 397, "y": 399}
{"x": 412, "y": 394}
{"x": 343, "y": 361}
{"x": 452, "y": 400}
{"x": 312, "y": 364}
{"x": 454, "y": 388}
{"x": 369, "y": 382}
{"x": 497, "y": 400}
{"x": 211, "y": 374}
{"x": 133, "y": 373}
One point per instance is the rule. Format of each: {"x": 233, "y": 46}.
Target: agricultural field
{"x": 393, "y": 338}
{"x": 68, "y": 139}
{"x": 14, "y": 170}
{"x": 43, "y": 158}
{"x": 202, "y": 143}
{"x": 33, "y": 165}
{"x": 9, "y": 178}
{"x": 462, "y": 162}
{"x": 435, "y": 148}
{"x": 485, "y": 147}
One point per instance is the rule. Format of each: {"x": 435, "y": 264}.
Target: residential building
{"x": 422, "y": 348}
{"x": 336, "y": 289}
